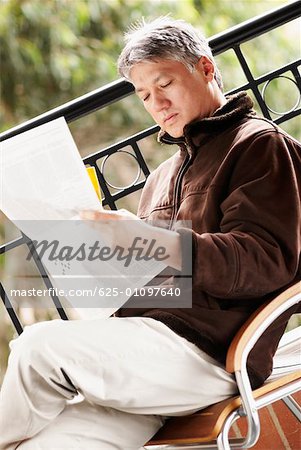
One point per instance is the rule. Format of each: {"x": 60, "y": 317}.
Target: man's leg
{"x": 136, "y": 365}
{"x": 83, "y": 426}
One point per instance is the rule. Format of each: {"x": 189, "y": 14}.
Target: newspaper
{"x": 43, "y": 176}
{"x": 44, "y": 185}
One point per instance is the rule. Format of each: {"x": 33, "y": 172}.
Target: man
{"x": 236, "y": 177}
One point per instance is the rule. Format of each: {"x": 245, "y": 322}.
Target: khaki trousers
{"x": 102, "y": 384}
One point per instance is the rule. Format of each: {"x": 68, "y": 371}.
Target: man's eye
{"x": 145, "y": 97}
{"x": 166, "y": 84}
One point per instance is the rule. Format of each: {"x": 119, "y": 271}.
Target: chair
{"x": 209, "y": 428}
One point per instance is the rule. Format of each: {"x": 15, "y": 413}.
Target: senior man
{"x": 236, "y": 177}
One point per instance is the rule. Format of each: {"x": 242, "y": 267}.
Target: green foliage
{"x": 55, "y": 50}
{"x": 52, "y": 51}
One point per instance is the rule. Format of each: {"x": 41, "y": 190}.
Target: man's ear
{"x": 206, "y": 67}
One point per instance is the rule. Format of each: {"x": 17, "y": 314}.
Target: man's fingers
{"x": 99, "y": 215}
{"x": 122, "y": 214}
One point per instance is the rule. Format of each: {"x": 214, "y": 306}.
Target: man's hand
{"x": 123, "y": 228}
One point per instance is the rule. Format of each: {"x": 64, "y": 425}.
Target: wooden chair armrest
{"x": 258, "y": 322}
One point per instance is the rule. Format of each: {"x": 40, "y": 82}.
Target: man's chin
{"x": 175, "y": 133}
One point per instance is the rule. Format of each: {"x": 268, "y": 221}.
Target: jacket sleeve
{"x": 257, "y": 250}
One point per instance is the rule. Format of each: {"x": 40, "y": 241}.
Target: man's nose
{"x": 160, "y": 101}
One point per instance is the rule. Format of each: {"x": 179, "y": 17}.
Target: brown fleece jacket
{"x": 237, "y": 178}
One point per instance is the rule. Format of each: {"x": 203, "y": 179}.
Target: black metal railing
{"x": 114, "y": 92}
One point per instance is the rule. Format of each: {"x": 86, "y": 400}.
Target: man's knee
{"x": 37, "y": 341}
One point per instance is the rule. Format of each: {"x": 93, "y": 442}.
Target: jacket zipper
{"x": 177, "y": 189}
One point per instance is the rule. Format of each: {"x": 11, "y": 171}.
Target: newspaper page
{"x": 44, "y": 185}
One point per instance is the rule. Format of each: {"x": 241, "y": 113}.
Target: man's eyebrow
{"x": 161, "y": 75}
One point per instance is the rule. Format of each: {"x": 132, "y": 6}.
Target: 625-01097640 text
{"x": 100, "y": 292}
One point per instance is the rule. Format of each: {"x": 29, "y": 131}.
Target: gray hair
{"x": 164, "y": 38}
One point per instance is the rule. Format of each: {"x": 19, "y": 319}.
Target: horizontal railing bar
{"x": 287, "y": 116}
{"x": 268, "y": 76}
{"x": 79, "y": 107}
{"x": 90, "y": 159}
{"x": 119, "y": 89}
{"x": 124, "y": 192}
{"x": 277, "y": 72}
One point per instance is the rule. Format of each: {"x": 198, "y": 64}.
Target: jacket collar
{"x": 237, "y": 107}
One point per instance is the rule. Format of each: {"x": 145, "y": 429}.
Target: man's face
{"x": 173, "y": 95}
